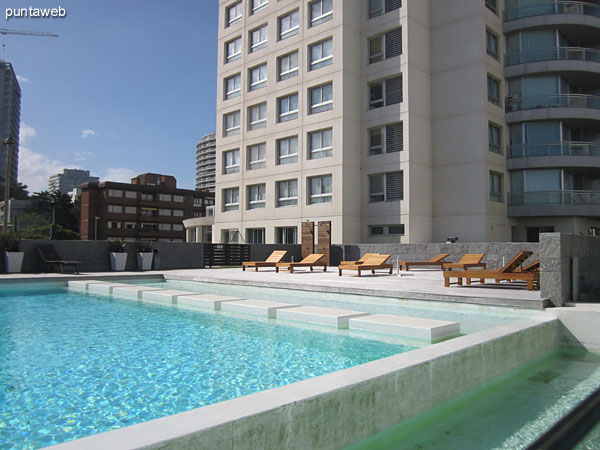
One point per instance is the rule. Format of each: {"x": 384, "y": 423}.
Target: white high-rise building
{"x": 10, "y": 117}
{"x": 386, "y": 117}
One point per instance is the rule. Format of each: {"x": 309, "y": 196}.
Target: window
{"x": 386, "y": 230}
{"x": 319, "y": 144}
{"x": 320, "y": 11}
{"x": 255, "y": 235}
{"x": 231, "y": 161}
{"x": 386, "y": 92}
{"x": 115, "y": 193}
{"x": 164, "y": 197}
{"x": 230, "y": 236}
{"x": 113, "y": 224}
{"x": 258, "y": 38}
{"x": 379, "y": 7}
{"x": 491, "y": 43}
{"x": 287, "y": 150}
{"x": 256, "y": 196}
{"x": 234, "y": 13}
{"x": 493, "y": 87}
{"x": 177, "y": 227}
{"x": 288, "y": 66}
{"x": 386, "y": 187}
{"x": 257, "y": 77}
{"x": 257, "y": 116}
{"x": 232, "y": 86}
{"x": 257, "y": 156}
{"x": 149, "y": 197}
{"x": 286, "y": 235}
{"x": 496, "y": 194}
{"x": 148, "y": 212}
{"x": 231, "y": 199}
{"x": 385, "y": 46}
{"x": 178, "y": 198}
{"x": 178, "y": 212}
{"x": 493, "y": 5}
{"x": 115, "y": 209}
{"x": 130, "y": 225}
{"x": 494, "y": 138}
{"x": 321, "y": 54}
{"x": 288, "y": 25}
{"x": 164, "y": 212}
{"x": 164, "y": 227}
{"x": 319, "y": 189}
{"x": 287, "y": 193}
{"x": 386, "y": 139}
{"x": 130, "y": 194}
{"x": 321, "y": 98}
{"x": 257, "y": 5}
{"x": 233, "y": 49}
{"x": 130, "y": 210}
{"x": 231, "y": 123}
{"x": 288, "y": 107}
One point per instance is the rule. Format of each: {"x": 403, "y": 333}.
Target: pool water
{"x": 472, "y": 318}
{"x": 507, "y": 413}
{"x": 74, "y": 365}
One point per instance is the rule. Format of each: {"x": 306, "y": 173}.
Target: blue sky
{"x": 128, "y": 87}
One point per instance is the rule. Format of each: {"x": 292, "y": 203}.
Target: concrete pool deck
{"x": 418, "y": 284}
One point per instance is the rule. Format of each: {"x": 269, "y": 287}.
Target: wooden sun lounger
{"x": 362, "y": 260}
{"x": 271, "y": 261}
{"x": 435, "y": 261}
{"x": 467, "y": 260}
{"x": 373, "y": 263}
{"x": 50, "y": 256}
{"x": 510, "y": 272}
{"x": 312, "y": 260}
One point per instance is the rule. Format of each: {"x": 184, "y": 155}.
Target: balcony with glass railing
{"x": 553, "y": 54}
{"x": 515, "y": 103}
{"x": 551, "y": 8}
{"x": 565, "y": 148}
{"x": 569, "y": 198}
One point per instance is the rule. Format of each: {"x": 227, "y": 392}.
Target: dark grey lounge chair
{"x": 50, "y": 256}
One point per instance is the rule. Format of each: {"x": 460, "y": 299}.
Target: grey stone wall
{"x": 496, "y": 253}
{"x": 94, "y": 255}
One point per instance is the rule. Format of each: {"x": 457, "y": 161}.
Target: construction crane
{"x": 27, "y": 33}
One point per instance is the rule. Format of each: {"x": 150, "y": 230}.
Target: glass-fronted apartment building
{"x": 399, "y": 121}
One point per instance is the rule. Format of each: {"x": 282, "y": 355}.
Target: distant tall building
{"x": 68, "y": 180}
{"x": 10, "y": 116}
{"x": 205, "y": 162}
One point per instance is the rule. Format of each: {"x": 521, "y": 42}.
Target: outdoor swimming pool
{"x": 75, "y": 365}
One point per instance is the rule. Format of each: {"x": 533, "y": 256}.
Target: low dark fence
{"x": 225, "y": 254}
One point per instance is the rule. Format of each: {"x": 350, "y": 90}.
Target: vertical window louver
{"x": 394, "y": 186}
{"x": 393, "y": 43}
{"x": 393, "y": 90}
{"x": 394, "y": 138}
{"x": 390, "y": 5}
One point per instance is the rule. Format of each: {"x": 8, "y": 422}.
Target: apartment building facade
{"x": 69, "y": 179}
{"x": 205, "y": 162}
{"x": 10, "y": 120}
{"x": 386, "y": 117}
{"x": 150, "y": 208}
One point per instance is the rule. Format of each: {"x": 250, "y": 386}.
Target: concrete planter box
{"x": 13, "y": 261}
{"x": 118, "y": 261}
{"x": 144, "y": 260}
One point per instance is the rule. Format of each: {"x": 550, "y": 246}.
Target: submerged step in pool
{"x": 507, "y": 413}
{"x": 74, "y": 365}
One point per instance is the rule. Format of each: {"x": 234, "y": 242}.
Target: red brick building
{"x": 150, "y": 208}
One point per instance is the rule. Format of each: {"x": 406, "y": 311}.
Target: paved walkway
{"x": 417, "y": 284}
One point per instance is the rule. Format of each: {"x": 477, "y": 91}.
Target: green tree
{"x": 43, "y": 206}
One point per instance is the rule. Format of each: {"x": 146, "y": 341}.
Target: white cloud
{"x": 22, "y": 79}
{"x": 34, "y": 168}
{"x": 119, "y": 174}
{"x": 87, "y": 133}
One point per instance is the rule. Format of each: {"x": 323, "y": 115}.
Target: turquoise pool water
{"x": 74, "y": 365}
{"x": 472, "y": 318}
{"x": 507, "y": 413}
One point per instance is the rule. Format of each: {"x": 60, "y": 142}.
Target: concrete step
{"x": 104, "y": 288}
{"x": 81, "y": 285}
{"x": 210, "y": 302}
{"x": 163, "y": 296}
{"x": 426, "y": 329}
{"x": 318, "y": 314}
{"x": 133, "y": 292}
{"x": 256, "y": 307}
